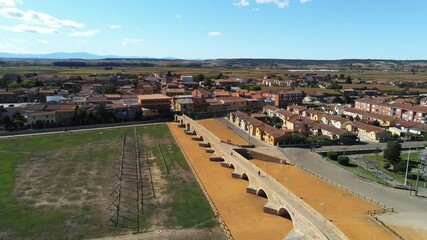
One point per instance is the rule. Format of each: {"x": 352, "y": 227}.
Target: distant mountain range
{"x": 76, "y": 55}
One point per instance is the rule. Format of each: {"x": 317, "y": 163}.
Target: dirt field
{"x": 347, "y": 212}
{"x": 242, "y": 212}
{"x": 222, "y": 131}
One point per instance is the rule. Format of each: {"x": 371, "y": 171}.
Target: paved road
{"x": 370, "y": 146}
{"x": 80, "y": 130}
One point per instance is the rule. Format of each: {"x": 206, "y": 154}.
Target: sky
{"x": 207, "y": 29}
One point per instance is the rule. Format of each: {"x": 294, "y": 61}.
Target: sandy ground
{"x": 346, "y": 211}
{"x": 242, "y": 212}
{"x": 221, "y": 131}
{"x": 411, "y": 225}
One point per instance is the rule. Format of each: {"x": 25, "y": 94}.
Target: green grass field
{"x": 57, "y": 186}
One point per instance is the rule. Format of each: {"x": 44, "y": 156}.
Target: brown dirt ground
{"x": 346, "y": 211}
{"x": 242, "y": 212}
{"x": 222, "y": 131}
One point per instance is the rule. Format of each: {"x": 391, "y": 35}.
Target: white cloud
{"x": 215, "y": 34}
{"x": 30, "y": 28}
{"x": 7, "y": 3}
{"x": 178, "y": 16}
{"x": 304, "y": 1}
{"x": 241, "y": 3}
{"x": 255, "y": 9}
{"x": 278, "y": 3}
{"x": 115, "y": 26}
{"x": 42, "y": 42}
{"x": 130, "y": 41}
{"x": 84, "y": 34}
{"x": 38, "y": 18}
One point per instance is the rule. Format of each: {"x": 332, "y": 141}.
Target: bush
{"x": 332, "y": 155}
{"x": 343, "y": 160}
{"x": 386, "y": 166}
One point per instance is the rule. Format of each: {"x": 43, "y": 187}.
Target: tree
{"x": 343, "y": 160}
{"x": 341, "y": 76}
{"x": 6, "y": 122}
{"x": 110, "y": 89}
{"x": 18, "y": 119}
{"x": 392, "y": 152}
{"x": 256, "y": 87}
{"x": 348, "y": 80}
{"x": 228, "y": 88}
{"x": 199, "y": 78}
{"x": 207, "y": 82}
{"x": 400, "y": 166}
{"x": 332, "y": 155}
{"x": 13, "y": 85}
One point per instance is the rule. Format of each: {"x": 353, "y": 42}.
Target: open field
{"x": 384, "y": 88}
{"x": 57, "y": 186}
{"x": 369, "y": 75}
{"x": 241, "y": 212}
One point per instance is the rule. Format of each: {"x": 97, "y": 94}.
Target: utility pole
{"x": 407, "y": 167}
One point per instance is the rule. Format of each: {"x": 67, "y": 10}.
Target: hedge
{"x": 343, "y": 160}
{"x": 332, "y": 155}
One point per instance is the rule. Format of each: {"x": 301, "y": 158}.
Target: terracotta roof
{"x": 367, "y": 127}
{"x": 271, "y": 108}
{"x": 416, "y": 108}
{"x": 421, "y": 126}
{"x": 276, "y": 133}
{"x": 405, "y": 123}
{"x": 44, "y": 113}
{"x": 153, "y": 97}
{"x": 286, "y": 113}
{"x": 371, "y": 100}
{"x": 331, "y": 129}
{"x": 336, "y": 118}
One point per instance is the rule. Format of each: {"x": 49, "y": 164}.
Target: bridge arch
{"x": 245, "y": 177}
{"x": 231, "y": 166}
{"x": 188, "y": 127}
{"x": 283, "y": 212}
{"x": 262, "y": 193}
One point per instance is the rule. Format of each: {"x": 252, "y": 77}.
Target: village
{"x": 260, "y": 106}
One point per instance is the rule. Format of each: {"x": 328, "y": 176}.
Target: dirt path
{"x": 242, "y": 212}
{"x": 347, "y": 212}
{"x": 222, "y": 131}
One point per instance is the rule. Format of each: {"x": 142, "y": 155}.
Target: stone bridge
{"x": 307, "y": 222}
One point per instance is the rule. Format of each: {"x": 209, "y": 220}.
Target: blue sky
{"x": 291, "y": 29}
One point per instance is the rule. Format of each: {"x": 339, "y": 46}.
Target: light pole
{"x": 407, "y": 167}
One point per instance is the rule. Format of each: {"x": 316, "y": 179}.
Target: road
{"x": 81, "y": 130}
